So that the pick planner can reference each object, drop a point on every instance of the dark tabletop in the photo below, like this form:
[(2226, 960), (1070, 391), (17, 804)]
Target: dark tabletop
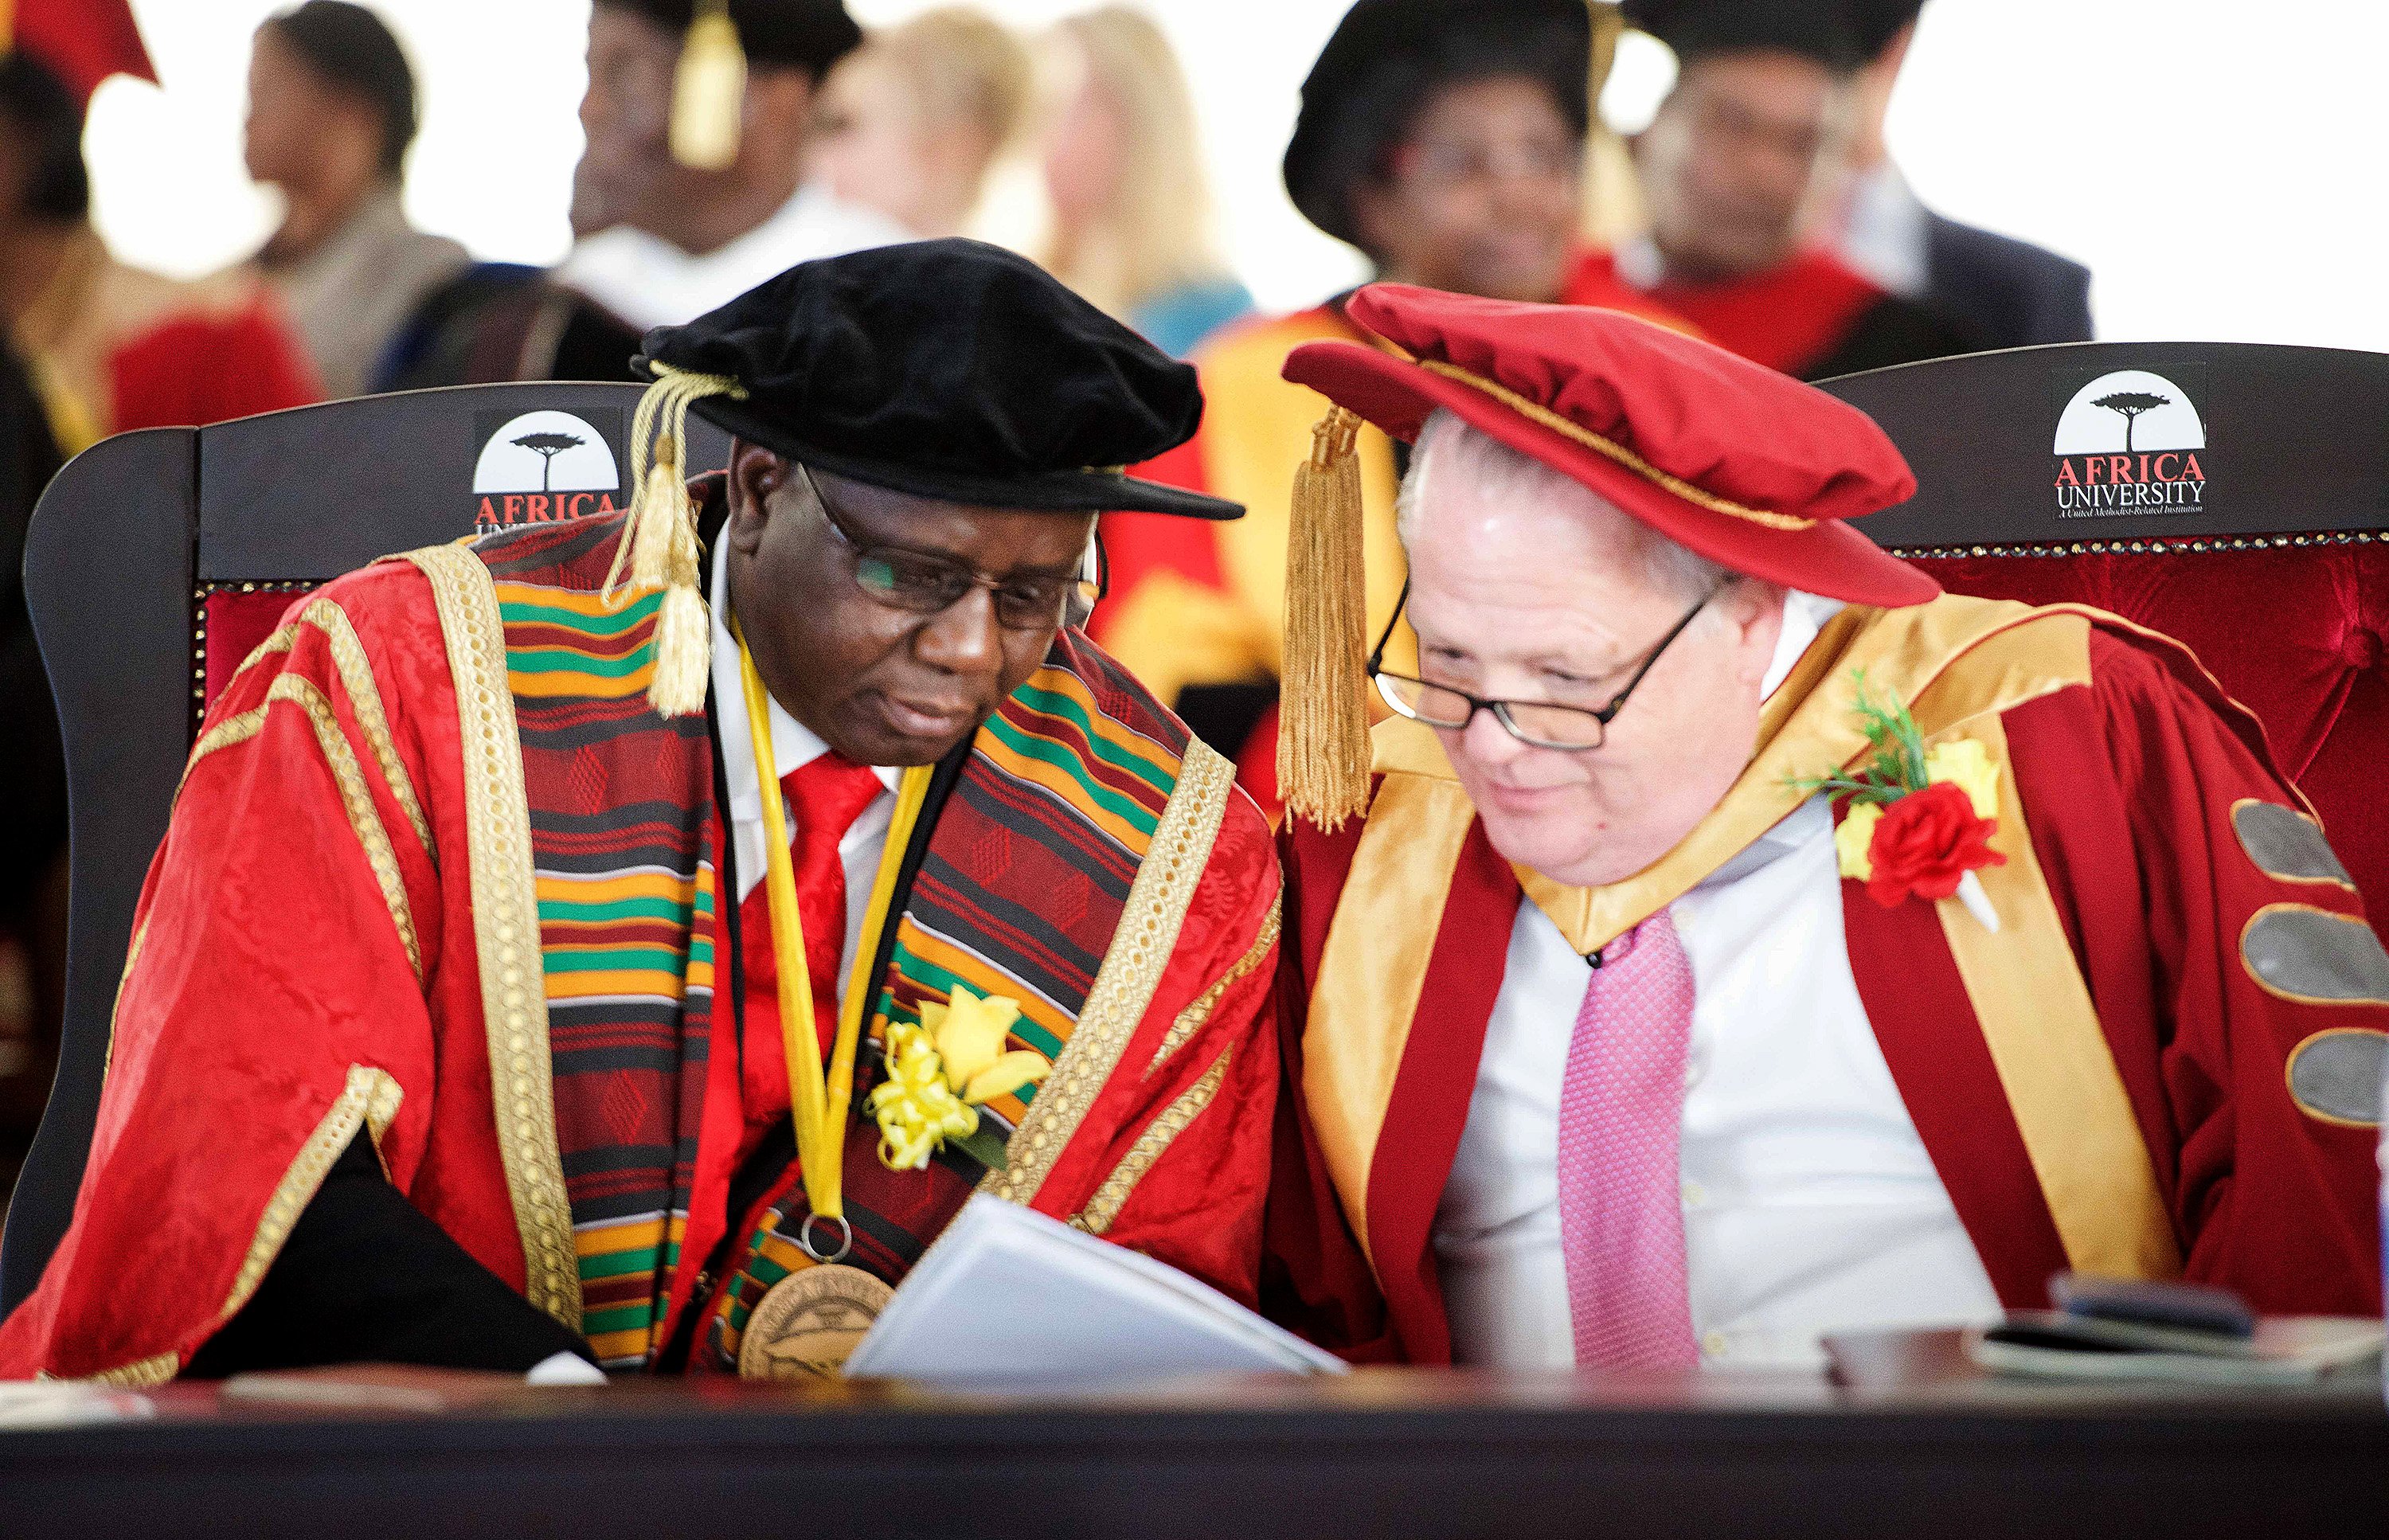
[(1406, 1453)]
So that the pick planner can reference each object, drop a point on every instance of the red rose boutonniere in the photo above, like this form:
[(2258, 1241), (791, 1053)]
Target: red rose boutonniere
[(1921, 820)]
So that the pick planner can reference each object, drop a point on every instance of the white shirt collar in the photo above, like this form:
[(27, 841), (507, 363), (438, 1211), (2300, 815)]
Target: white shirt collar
[(1804, 616), (649, 282), (1884, 231), (1638, 261)]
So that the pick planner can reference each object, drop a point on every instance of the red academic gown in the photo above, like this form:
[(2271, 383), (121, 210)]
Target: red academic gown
[(1812, 317), (2129, 772), (117, 348), (311, 963)]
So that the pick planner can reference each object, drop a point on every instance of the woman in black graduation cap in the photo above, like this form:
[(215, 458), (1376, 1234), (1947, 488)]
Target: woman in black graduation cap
[(572, 1041)]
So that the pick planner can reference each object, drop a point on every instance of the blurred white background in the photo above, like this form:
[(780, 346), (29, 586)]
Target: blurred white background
[(2218, 166)]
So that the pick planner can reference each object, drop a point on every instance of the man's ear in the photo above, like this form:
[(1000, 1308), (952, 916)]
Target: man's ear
[(756, 474), (1755, 609)]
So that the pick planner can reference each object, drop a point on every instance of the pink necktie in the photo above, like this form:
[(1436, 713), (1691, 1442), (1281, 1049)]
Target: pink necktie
[(1621, 1116)]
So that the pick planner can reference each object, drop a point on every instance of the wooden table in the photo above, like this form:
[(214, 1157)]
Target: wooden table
[(1391, 1453)]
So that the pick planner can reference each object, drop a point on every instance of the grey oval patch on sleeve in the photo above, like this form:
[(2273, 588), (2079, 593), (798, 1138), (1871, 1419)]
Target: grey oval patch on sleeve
[(2336, 1075), (2311, 954), (2285, 844)]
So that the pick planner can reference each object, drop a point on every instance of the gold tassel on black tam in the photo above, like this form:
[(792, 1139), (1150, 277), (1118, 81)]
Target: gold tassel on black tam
[(1323, 746), (659, 546)]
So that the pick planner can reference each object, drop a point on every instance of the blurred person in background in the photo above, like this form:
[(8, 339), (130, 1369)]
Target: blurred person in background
[(331, 113), (911, 121), (1123, 163), (1737, 167), (661, 240), (91, 346), (109, 346), (2003, 292), (1445, 141)]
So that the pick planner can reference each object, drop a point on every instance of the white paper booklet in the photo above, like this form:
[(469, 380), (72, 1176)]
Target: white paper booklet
[(1006, 1294)]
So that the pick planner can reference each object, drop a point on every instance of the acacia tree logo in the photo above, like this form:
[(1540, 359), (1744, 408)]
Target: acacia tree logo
[(547, 446), (2128, 404)]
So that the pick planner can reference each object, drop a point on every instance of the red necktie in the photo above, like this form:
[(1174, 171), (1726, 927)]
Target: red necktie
[(825, 795)]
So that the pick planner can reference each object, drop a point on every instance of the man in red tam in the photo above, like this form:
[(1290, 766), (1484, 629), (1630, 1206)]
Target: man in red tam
[(1733, 940)]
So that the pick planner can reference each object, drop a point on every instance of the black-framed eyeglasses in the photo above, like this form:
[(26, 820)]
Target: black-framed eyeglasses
[(921, 583), (1542, 725)]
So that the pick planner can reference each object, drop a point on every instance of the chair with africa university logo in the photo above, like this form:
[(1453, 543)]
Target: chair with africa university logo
[(2234, 496), (157, 560)]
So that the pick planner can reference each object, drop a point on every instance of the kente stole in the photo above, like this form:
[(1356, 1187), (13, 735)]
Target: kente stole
[(1021, 887), (1025, 875), (620, 802)]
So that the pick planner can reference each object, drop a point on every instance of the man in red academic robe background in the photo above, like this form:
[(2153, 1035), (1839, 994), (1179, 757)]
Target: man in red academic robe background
[(111, 347), (1742, 941), (1739, 170)]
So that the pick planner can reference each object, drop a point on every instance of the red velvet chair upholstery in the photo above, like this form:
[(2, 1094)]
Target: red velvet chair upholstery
[(2277, 574), (157, 560)]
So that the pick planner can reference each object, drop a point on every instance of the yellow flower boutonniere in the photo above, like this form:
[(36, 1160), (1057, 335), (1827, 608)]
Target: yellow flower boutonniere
[(942, 1071)]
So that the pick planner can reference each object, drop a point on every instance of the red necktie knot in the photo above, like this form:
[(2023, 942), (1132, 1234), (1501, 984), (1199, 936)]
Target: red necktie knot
[(827, 793)]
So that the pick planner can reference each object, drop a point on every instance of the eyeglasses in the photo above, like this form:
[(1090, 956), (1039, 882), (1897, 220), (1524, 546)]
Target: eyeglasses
[(919, 583), (1541, 724), (1448, 163)]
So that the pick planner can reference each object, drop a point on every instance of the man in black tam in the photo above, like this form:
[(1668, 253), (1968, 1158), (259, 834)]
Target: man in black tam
[(691, 190), (669, 972), (1740, 169)]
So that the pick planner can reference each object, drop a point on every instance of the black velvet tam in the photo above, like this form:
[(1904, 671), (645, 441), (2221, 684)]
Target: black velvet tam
[(948, 369), (1388, 58), (1826, 30), (1880, 20)]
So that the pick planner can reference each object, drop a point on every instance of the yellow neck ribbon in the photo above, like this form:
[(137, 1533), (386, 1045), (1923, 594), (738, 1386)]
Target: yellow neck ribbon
[(819, 1101)]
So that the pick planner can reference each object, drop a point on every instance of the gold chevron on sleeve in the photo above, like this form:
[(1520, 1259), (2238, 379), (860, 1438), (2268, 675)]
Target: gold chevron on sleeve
[(1113, 1195), (1192, 1020), (356, 673), (357, 801)]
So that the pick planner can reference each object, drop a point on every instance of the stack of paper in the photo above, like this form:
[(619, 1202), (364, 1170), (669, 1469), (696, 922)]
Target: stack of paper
[(1006, 1294)]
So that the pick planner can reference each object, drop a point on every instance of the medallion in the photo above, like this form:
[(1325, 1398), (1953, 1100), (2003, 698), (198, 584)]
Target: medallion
[(805, 1325)]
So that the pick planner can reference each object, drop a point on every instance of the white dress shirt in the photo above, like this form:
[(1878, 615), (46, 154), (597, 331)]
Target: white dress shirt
[(649, 282), (793, 744), (1883, 233), (1810, 1205)]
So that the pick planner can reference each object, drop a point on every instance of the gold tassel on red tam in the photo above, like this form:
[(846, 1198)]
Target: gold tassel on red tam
[(658, 545), (1322, 745)]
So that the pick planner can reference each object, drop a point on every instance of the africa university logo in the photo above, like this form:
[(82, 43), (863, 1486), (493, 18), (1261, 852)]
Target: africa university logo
[(2129, 442), (541, 467)]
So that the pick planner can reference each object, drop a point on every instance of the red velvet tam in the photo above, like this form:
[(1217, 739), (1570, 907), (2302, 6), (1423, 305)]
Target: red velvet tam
[(1747, 466)]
